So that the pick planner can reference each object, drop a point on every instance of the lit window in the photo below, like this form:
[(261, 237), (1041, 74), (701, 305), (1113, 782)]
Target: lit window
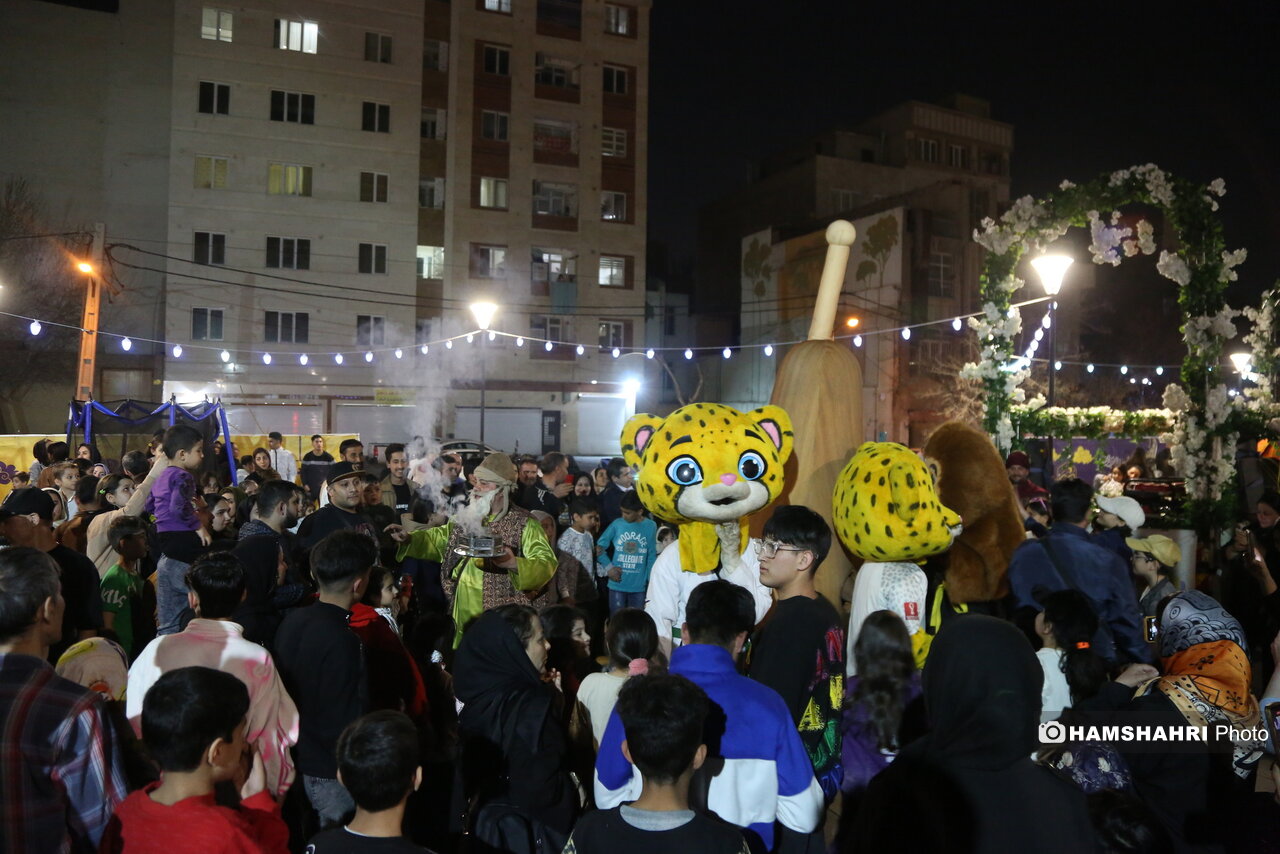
[(494, 125), (615, 80), (617, 20), (553, 137), (209, 248), (206, 324), (612, 334), (503, 6), (613, 142), (553, 265), (613, 206), (493, 192), (372, 258), (288, 179), (377, 47), (211, 172), (548, 326), (373, 186), (215, 98), (215, 24), (293, 107), (289, 253), (297, 35), (613, 271), (555, 199), (431, 193), (430, 262), (370, 330), (286, 327)]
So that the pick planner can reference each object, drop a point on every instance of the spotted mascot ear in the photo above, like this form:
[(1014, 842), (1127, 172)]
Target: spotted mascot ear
[(776, 424), (636, 434)]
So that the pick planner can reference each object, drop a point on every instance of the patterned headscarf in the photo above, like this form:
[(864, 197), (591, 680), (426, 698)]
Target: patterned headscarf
[(1206, 670), (98, 664)]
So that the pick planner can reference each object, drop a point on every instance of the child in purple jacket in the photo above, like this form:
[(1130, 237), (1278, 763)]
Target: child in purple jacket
[(179, 531)]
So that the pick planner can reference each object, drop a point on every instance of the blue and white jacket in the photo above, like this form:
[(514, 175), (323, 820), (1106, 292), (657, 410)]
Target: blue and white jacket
[(767, 775)]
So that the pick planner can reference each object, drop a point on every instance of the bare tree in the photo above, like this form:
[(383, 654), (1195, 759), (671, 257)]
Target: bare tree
[(40, 281), (675, 382)]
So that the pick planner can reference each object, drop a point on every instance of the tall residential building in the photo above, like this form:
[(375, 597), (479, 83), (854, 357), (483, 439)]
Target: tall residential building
[(287, 182), (916, 180)]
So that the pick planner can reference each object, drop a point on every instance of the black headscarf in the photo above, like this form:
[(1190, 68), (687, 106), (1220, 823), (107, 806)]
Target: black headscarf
[(502, 692), (260, 557)]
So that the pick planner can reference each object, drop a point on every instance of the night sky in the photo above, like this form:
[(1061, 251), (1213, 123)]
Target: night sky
[(1087, 88)]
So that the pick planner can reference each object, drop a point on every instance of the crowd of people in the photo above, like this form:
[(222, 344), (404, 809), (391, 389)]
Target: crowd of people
[(424, 651)]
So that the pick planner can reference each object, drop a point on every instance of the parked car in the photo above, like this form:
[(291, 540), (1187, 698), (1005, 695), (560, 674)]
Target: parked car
[(468, 449)]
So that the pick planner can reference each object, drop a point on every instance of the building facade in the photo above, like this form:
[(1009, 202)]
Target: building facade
[(306, 197)]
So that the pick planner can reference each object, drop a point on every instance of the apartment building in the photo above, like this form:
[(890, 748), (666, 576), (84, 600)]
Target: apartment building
[(305, 196), (915, 180)]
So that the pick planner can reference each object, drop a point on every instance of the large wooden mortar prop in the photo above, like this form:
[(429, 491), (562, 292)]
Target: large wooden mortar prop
[(819, 384)]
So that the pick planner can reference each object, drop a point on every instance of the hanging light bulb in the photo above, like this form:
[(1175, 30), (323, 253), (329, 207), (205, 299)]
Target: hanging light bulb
[(126, 344), (399, 353), (448, 345), (1146, 381), (857, 340), (648, 354), (1039, 336), (519, 342), (493, 336), (616, 352), (303, 359), (337, 358), (266, 358), (368, 356), (726, 352), (580, 350), (688, 354), (1089, 368), (1160, 370), (1035, 345), (1132, 380), (548, 346), (768, 349), (1047, 321), (1124, 369), (35, 327), (906, 333), (1057, 366), (470, 338), (177, 351), (956, 324), (425, 349)]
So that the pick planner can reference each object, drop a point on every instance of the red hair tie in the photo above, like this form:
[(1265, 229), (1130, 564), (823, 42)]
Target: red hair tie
[(1082, 645), (638, 667)]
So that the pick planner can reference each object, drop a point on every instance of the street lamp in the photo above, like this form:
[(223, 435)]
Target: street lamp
[(483, 313), (1051, 269)]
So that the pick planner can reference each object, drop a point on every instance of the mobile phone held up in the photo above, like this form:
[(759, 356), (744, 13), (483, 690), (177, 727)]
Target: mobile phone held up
[(1151, 629)]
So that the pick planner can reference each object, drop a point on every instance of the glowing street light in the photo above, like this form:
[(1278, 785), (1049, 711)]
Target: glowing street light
[(1051, 269), (483, 313)]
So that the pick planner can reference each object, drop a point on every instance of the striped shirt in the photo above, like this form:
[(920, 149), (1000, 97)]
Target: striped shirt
[(61, 773)]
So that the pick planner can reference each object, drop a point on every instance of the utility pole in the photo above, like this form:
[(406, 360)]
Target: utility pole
[(92, 270)]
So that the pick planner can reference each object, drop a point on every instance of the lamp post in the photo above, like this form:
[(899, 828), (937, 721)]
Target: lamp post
[(1051, 269), (483, 313)]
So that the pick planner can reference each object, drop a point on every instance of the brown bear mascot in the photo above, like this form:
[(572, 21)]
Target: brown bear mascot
[(972, 481)]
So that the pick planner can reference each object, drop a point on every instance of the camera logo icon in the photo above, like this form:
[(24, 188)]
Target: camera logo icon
[(1052, 732)]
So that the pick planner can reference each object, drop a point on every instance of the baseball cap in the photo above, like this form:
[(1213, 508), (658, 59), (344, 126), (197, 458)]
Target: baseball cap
[(30, 499), (342, 471), (1158, 546), (1129, 510)]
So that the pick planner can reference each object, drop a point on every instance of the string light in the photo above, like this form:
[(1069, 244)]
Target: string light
[(1089, 368), (225, 356), (548, 346), (34, 327), (337, 358), (126, 344), (303, 359), (425, 349), (857, 340), (648, 354), (1132, 380), (1047, 321), (580, 350), (399, 353), (1160, 370), (726, 352), (1124, 369), (266, 358), (688, 354), (470, 337), (906, 333), (768, 349), (616, 352), (492, 335), (448, 345), (519, 342), (177, 351), (956, 324), (1039, 336), (1057, 366), (368, 356)]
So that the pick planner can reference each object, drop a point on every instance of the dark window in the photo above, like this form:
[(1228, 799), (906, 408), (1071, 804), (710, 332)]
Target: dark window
[(210, 248), (206, 324), (286, 327), (373, 186), (293, 107), (215, 98), (376, 117), (497, 60), (373, 258), (377, 47), (290, 253), (615, 80)]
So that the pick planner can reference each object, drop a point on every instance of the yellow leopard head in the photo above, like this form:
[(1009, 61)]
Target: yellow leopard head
[(707, 462), (885, 507)]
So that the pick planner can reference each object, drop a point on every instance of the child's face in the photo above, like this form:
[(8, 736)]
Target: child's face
[(68, 479), (580, 637), (631, 515), (388, 592), (190, 458), (134, 547), (586, 521)]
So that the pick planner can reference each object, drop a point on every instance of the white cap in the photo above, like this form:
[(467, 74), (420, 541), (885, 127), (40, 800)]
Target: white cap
[(1129, 510)]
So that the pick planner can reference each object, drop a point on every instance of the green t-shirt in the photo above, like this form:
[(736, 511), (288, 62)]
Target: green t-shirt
[(121, 592)]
